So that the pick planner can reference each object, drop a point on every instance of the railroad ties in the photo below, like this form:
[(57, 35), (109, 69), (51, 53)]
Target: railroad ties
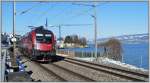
[(73, 70), (118, 72)]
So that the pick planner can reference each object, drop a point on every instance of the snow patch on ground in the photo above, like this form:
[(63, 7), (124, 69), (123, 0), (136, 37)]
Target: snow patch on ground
[(110, 61), (86, 59), (106, 60)]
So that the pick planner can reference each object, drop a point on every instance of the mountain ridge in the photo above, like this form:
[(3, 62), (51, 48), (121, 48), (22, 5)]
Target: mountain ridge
[(131, 38)]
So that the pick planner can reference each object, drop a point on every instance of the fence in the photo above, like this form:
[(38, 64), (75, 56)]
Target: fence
[(90, 56), (81, 54)]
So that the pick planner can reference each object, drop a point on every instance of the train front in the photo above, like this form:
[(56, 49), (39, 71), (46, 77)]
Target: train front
[(44, 45)]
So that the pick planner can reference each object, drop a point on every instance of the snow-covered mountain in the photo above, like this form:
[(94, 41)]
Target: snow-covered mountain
[(135, 38)]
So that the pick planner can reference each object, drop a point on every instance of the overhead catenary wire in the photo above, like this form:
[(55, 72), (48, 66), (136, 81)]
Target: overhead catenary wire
[(76, 15), (69, 25), (29, 9), (60, 25), (95, 3), (95, 24), (86, 11), (62, 12), (45, 12), (49, 10), (42, 14), (80, 14), (72, 17)]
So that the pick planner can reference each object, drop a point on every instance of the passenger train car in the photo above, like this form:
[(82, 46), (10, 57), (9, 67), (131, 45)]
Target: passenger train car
[(39, 44)]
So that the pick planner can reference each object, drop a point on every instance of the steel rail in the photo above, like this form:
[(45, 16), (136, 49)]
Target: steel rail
[(118, 69), (114, 71), (51, 72), (46, 69), (74, 73)]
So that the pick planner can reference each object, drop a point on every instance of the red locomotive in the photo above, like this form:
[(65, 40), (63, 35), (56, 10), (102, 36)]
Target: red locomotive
[(39, 44)]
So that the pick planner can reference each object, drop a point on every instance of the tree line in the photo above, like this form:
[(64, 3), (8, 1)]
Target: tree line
[(74, 39)]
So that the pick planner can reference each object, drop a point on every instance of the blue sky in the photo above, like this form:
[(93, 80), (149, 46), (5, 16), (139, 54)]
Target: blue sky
[(113, 18)]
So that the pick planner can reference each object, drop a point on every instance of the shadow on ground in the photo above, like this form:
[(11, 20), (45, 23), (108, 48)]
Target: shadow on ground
[(53, 59)]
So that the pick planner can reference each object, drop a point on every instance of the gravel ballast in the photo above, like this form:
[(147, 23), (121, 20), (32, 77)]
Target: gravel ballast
[(41, 74)]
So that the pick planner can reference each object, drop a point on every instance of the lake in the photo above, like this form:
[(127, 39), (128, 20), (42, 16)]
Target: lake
[(134, 54)]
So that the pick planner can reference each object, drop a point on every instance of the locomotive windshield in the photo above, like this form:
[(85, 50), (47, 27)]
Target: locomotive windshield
[(44, 38)]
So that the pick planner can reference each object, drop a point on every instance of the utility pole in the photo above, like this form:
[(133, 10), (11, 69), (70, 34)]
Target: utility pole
[(1, 17), (14, 14), (1, 43), (95, 29), (95, 24), (46, 23), (1, 26), (60, 26), (59, 32)]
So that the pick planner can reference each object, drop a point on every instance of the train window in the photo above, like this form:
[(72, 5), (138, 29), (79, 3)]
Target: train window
[(48, 38), (39, 37), (44, 38)]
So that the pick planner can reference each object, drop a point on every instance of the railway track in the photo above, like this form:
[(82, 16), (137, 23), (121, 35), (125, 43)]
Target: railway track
[(135, 76), (60, 73), (41, 72), (64, 74), (51, 72)]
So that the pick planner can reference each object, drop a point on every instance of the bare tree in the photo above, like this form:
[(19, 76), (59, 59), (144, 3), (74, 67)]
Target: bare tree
[(113, 48)]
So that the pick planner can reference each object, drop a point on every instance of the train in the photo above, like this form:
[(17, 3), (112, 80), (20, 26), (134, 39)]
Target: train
[(39, 44)]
